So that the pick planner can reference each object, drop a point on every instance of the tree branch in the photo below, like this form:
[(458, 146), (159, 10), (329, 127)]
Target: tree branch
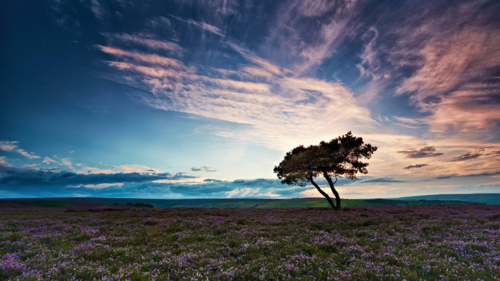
[(323, 193), (332, 187)]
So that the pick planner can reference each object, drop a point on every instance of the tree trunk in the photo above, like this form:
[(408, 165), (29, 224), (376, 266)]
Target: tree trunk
[(324, 194), (332, 186)]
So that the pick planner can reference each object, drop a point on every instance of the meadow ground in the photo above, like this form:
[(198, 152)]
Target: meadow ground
[(356, 243)]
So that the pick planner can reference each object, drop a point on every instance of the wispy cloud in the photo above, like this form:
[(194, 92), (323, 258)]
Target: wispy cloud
[(415, 166), (204, 169), (310, 70), (489, 183), (48, 160), (305, 48), (27, 154), (12, 177), (201, 25), (65, 161), (8, 145), (12, 146), (279, 110), (97, 8), (408, 120), (456, 54), (135, 169), (144, 40), (151, 59), (370, 62), (468, 175), (465, 157), (2, 161), (428, 151)]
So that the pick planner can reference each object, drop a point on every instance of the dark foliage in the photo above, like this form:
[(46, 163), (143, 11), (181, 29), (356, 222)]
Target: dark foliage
[(140, 205), (337, 158)]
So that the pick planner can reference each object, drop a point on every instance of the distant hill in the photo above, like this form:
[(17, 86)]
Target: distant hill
[(484, 198), (223, 203)]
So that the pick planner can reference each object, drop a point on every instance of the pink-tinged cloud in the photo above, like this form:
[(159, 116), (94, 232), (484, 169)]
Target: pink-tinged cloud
[(26, 154), (279, 109), (144, 58), (8, 145), (135, 169), (12, 146), (201, 25), (66, 162), (144, 40), (48, 160), (2, 161), (456, 54), (428, 151)]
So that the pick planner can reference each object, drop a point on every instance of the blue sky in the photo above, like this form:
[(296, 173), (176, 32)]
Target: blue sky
[(184, 99)]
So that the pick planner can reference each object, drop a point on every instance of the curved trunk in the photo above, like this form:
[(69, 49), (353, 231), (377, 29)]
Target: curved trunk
[(332, 186), (323, 193)]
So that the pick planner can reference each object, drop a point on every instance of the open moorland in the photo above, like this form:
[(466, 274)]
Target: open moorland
[(90, 242), (241, 202)]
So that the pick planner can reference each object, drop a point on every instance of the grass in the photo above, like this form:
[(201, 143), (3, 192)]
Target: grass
[(449, 242)]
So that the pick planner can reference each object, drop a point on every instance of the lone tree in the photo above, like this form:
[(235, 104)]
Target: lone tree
[(337, 158)]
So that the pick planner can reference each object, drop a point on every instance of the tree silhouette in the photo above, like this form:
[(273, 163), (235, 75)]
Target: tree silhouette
[(337, 158)]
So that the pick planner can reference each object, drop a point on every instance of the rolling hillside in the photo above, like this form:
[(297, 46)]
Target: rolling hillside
[(226, 203), (483, 198)]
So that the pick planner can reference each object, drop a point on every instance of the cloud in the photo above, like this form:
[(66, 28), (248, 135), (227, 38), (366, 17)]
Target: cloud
[(307, 33), (489, 183), (456, 57), (201, 25), (415, 166), (290, 78), (151, 59), (27, 155), (443, 186), (408, 120), (48, 160), (97, 9), (99, 185), (278, 111), (13, 177), (465, 157), (8, 145), (12, 146), (428, 151), (484, 174), (369, 57), (243, 192), (203, 168), (93, 170), (269, 194), (145, 40), (22, 182), (134, 169), (66, 162), (3, 162)]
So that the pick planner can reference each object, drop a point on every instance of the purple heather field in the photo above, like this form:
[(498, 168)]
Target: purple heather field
[(357, 243)]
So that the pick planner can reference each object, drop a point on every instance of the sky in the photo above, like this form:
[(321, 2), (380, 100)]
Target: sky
[(201, 99)]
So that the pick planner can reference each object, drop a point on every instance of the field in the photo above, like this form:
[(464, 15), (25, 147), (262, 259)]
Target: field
[(484, 198), (236, 203), (92, 242)]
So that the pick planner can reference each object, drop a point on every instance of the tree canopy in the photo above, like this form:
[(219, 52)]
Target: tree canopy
[(337, 158)]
